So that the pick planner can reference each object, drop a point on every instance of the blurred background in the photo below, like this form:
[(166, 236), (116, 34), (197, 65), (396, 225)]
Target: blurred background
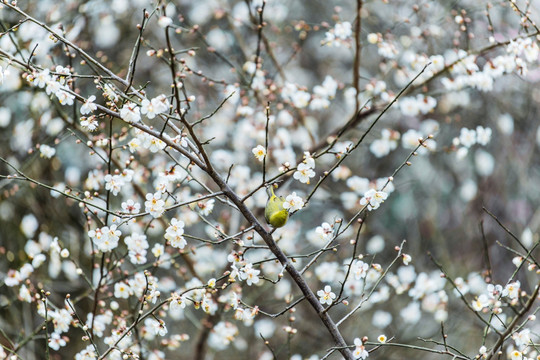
[(305, 74)]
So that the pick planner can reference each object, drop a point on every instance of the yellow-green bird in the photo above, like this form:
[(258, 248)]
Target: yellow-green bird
[(274, 213)]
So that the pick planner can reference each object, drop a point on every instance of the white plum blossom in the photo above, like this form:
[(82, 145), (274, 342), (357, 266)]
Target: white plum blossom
[(338, 35), (485, 162), (293, 202), (406, 258), (360, 269), (113, 183), (180, 140), (467, 137), (512, 290), (387, 49), (358, 184), (426, 103), (303, 173), (494, 291), (25, 294), (327, 271), (88, 106), (90, 123), (206, 207), (155, 326), (47, 151), (411, 314), (375, 245), (156, 106), (360, 351), (53, 86), (410, 139), (56, 341), (483, 135), (62, 320), (164, 21), (224, 333), (174, 234), (522, 338), (131, 207), (13, 278), (259, 152), (158, 250), (122, 290), (322, 94), (88, 353), (130, 112), (249, 274), (105, 238), (325, 231), (381, 319), (137, 246), (64, 96), (41, 78), (517, 355), (505, 123), (343, 30), (373, 199), (154, 204), (299, 98), (153, 143), (178, 303), (109, 92), (327, 89), (372, 38), (326, 296), (480, 302), (134, 144), (388, 142)]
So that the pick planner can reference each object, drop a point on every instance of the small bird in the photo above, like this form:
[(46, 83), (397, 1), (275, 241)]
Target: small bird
[(274, 213)]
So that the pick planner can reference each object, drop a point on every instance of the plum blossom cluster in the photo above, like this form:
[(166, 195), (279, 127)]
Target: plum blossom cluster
[(258, 76), (323, 234), (360, 187), (131, 112), (389, 141), (414, 106), (304, 171), (242, 269), (323, 94), (54, 83), (491, 299), (321, 99), (412, 138), (377, 89), (47, 151), (466, 73), (415, 62), (340, 34), (470, 137), (44, 250), (174, 234), (137, 248), (105, 238), (296, 96), (143, 140), (114, 183), (373, 199), (360, 351)]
